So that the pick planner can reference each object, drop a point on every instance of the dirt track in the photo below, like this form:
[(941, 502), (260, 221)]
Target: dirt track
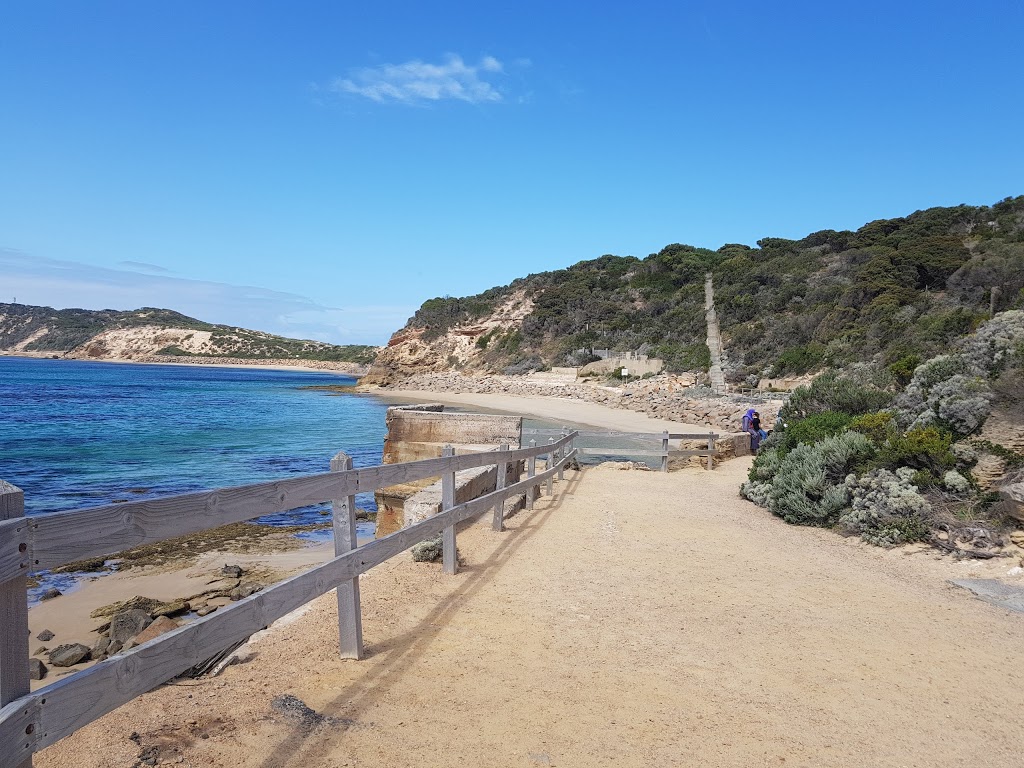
[(643, 620)]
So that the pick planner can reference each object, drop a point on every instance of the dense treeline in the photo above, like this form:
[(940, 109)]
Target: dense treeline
[(896, 289)]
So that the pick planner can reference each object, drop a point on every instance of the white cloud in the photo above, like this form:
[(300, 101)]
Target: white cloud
[(142, 266), (65, 284), (417, 81)]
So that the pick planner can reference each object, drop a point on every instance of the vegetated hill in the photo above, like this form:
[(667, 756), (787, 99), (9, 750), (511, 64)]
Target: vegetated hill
[(113, 334), (897, 291)]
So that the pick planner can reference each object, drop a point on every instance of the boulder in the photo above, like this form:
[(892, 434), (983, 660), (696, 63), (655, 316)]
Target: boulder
[(50, 593), (1012, 500), (69, 654), (173, 608), (127, 624), (36, 669), (101, 648), (234, 571), (243, 591), (46, 636), (159, 627)]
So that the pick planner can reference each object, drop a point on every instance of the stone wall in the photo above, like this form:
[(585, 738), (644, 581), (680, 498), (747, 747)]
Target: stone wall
[(418, 432)]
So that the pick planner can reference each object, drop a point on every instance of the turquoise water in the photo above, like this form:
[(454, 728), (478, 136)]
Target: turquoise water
[(75, 434)]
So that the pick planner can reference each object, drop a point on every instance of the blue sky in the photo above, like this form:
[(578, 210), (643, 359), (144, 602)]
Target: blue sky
[(319, 169)]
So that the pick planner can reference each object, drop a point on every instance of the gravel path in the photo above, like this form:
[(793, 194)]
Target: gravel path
[(643, 619)]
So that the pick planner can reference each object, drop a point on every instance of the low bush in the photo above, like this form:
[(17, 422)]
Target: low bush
[(808, 487), (814, 428), (834, 392), (878, 427), (921, 448), (885, 508)]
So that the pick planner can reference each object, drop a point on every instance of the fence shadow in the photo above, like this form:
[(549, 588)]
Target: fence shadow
[(405, 650)]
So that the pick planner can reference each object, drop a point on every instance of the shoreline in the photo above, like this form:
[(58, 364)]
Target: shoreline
[(337, 368), (68, 616)]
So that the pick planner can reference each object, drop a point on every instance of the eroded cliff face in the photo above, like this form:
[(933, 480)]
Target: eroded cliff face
[(412, 350)]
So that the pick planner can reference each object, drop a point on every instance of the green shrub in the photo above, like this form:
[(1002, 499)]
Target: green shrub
[(921, 448), (799, 360), (814, 428), (903, 369), (832, 392), (879, 426)]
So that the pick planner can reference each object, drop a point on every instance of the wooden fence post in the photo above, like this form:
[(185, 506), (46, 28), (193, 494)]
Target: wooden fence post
[(451, 559), (550, 463), (664, 451), (561, 455), (498, 524), (350, 617), (531, 470), (711, 447), (14, 680)]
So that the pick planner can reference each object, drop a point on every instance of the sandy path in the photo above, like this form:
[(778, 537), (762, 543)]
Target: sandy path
[(643, 620), (556, 409)]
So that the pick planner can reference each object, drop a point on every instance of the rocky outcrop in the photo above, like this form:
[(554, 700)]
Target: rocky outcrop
[(413, 350)]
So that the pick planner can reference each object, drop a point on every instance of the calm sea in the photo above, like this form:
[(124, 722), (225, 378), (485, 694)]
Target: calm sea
[(75, 434)]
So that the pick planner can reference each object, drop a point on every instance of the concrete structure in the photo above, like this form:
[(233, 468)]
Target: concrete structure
[(418, 432), (714, 339), (637, 365)]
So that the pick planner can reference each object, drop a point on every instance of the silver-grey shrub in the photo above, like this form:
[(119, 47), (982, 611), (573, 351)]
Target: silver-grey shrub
[(885, 508), (948, 388), (807, 488)]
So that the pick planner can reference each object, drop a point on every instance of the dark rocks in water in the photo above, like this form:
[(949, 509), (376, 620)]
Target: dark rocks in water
[(298, 712), (50, 593), (234, 571), (69, 654), (127, 624), (46, 636), (36, 669)]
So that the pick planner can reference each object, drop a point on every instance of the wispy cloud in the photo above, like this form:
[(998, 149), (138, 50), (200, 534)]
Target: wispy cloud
[(142, 266), (417, 82), (64, 284)]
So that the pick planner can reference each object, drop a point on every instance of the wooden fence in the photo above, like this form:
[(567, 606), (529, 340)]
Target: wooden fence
[(31, 721), (658, 443)]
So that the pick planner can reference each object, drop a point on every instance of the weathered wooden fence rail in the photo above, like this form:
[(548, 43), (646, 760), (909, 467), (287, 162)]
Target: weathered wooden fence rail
[(659, 439), (31, 721)]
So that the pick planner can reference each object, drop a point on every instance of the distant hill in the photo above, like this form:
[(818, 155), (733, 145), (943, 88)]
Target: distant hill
[(895, 291), (150, 332)]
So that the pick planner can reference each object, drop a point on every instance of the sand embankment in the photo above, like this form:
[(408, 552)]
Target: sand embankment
[(644, 619)]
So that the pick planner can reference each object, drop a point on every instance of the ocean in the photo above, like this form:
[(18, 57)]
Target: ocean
[(76, 434)]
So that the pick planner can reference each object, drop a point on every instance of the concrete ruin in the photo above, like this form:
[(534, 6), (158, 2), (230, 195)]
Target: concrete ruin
[(417, 432)]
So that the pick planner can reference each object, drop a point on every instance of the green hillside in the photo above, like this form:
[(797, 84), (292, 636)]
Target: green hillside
[(899, 290), (62, 330)]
